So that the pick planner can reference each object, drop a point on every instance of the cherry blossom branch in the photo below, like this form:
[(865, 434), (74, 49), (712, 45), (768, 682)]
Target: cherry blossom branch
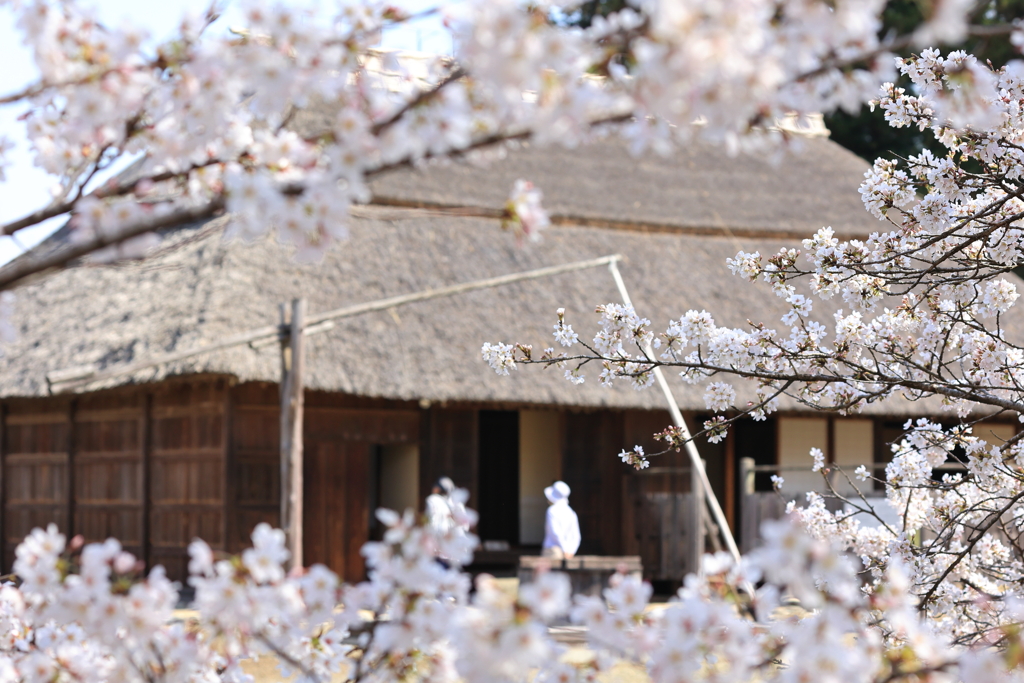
[(420, 98), (959, 557), (28, 265), (895, 44), (110, 190)]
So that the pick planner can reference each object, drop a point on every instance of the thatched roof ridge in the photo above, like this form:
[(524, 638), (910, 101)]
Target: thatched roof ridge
[(698, 189)]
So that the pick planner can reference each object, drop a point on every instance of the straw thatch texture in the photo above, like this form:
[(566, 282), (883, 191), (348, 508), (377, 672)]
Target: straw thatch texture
[(205, 288), (698, 189), (198, 288)]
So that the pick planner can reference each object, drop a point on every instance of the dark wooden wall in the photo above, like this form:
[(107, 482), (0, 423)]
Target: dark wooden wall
[(449, 447), (594, 474), (159, 465), (36, 474), (188, 479), (255, 452), (338, 436), (147, 467), (110, 467)]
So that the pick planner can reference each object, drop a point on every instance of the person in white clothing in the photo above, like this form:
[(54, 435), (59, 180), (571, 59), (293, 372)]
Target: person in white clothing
[(439, 512), (561, 526)]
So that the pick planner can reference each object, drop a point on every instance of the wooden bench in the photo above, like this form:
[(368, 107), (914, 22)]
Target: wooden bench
[(588, 574)]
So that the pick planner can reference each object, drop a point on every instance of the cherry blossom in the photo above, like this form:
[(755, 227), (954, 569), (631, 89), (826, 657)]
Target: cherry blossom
[(924, 305), (217, 120), (284, 120)]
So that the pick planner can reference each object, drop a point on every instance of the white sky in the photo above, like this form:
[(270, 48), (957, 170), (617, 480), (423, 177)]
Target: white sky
[(28, 188)]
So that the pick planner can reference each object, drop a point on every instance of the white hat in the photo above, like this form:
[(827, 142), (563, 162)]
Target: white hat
[(557, 491)]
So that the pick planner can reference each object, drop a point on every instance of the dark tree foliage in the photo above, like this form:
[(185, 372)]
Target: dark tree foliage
[(585, 13), (865, 132)]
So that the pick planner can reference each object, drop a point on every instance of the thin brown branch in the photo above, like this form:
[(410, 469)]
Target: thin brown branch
[(979, 534), (420, 98), (105, 192), (26, 266), (895, 44)]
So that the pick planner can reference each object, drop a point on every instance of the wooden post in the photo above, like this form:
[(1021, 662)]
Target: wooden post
[(285, 425), (731, 478), (293, 360), (747, 474)]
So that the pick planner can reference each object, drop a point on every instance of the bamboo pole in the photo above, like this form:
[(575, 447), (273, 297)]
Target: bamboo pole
[(74, 378), (691, 448)]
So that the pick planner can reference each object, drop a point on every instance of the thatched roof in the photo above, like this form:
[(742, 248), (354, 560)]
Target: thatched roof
[(698, 189), (199, 288)]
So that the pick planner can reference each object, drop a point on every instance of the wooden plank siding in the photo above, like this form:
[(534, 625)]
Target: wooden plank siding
[(108, 469), (254, 461), (156, 466), (187, 479), (36, 481), (338, 437)]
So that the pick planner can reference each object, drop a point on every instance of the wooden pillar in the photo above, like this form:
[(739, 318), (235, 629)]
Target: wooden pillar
[(292, 362), (284, 431), (731, 479), (830, 446), (697, 490), (747, 522)]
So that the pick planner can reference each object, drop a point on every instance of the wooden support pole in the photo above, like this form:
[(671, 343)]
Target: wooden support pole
[(146, 429), (4, 566), (69, 530), (284, 426), (731, 478), (691, 448), (297, 404), (292, 404)]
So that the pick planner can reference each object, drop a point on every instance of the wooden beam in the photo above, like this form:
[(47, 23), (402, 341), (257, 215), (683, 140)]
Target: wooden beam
[(297, 404), (3, 489), (291, 433), (228, 490), (830, 440)]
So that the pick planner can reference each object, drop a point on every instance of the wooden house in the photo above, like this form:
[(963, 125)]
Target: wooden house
[(397, 398)]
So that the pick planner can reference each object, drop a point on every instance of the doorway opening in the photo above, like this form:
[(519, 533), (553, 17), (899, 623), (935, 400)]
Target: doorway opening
[(498, 490)]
